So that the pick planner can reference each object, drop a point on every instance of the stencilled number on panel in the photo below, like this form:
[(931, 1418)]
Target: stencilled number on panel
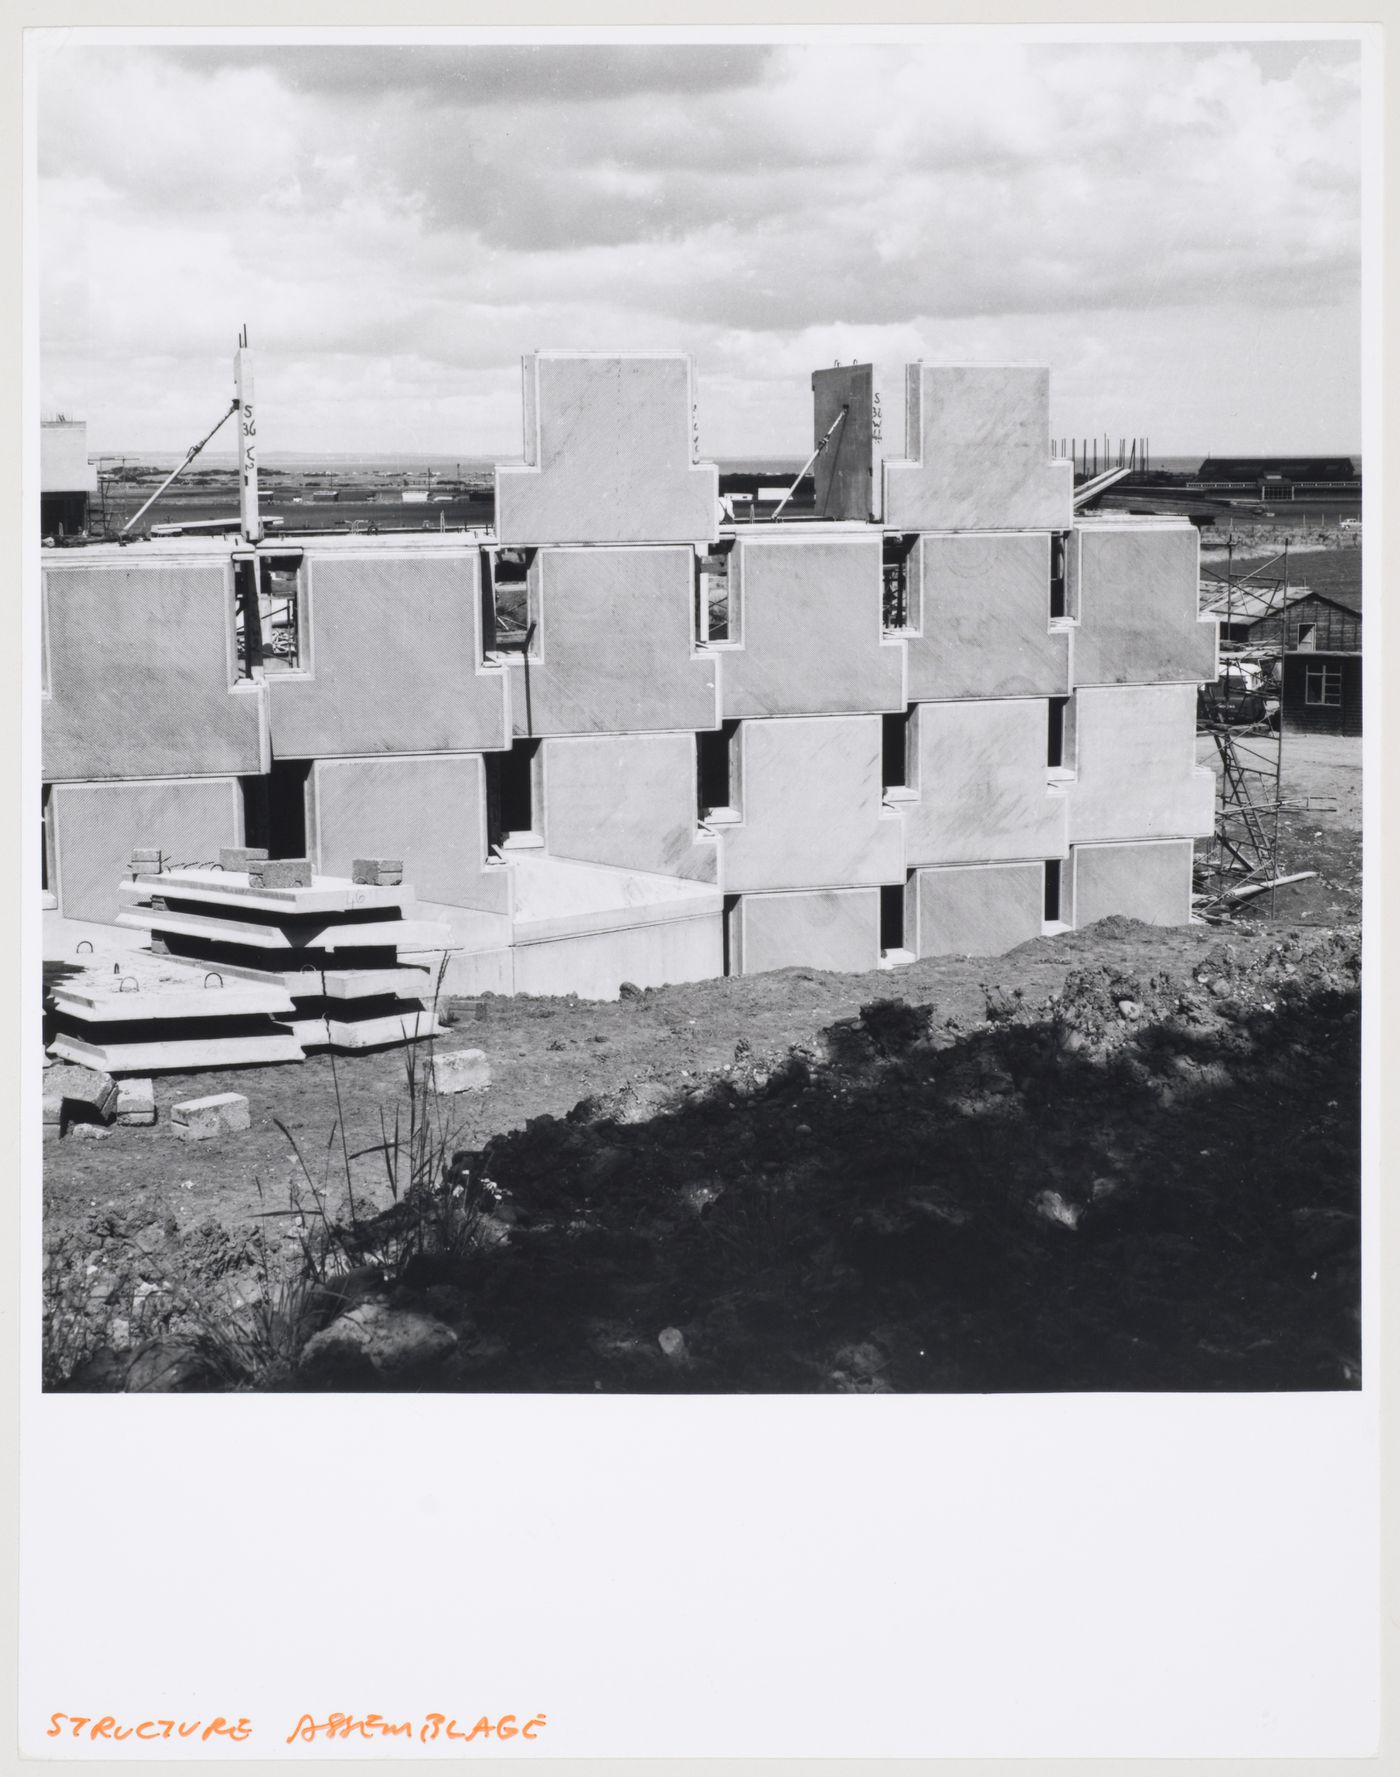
[(249, 424), (876, 418)]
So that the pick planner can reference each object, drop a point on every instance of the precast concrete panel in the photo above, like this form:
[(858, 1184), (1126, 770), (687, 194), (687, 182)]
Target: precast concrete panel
[(827, 929), (393, 661), (809, 630), (984, 627), (1136, 773), (981, 794), (809, 794), (1135, 595), (628, 800), (141, 675), (614, 649), (1150, 882), (595, 964), (979, 442), (609, 454), (976, 910), (430, 812), (97, 826)]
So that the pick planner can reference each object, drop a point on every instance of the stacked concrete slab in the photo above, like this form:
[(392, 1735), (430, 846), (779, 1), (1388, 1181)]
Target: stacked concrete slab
[(710, 745)]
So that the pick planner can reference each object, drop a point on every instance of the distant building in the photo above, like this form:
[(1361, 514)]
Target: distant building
[(1318, 636), (1277, 469), (66, 479)]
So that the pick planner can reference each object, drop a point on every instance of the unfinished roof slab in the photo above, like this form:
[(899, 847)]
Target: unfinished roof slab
[(609, 453)]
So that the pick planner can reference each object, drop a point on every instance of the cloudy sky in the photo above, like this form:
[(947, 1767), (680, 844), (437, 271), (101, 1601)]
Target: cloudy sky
[(1173, 228)]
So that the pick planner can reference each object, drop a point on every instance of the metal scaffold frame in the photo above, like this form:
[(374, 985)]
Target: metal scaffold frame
[(1243, 859)]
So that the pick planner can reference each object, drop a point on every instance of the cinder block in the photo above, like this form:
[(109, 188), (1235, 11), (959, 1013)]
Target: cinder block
[(239, 857), (85, 1086), (377, 872), (461, 1070), (53, 1108), (280, 873), (201, 1119), (136, 1101)]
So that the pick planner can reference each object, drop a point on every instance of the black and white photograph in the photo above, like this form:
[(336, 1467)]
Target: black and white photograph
[(701, 716)]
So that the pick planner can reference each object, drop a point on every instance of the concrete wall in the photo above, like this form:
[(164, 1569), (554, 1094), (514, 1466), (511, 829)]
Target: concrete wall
[(1148, 882), (596, 964), (978, 911), (981, 787), (63, 464), (628, 800), (809, 793), (1134, 592), (393, 660), (983, 452), (430, 811), (983, 604), (831, 929), (608, 454), (614, 651), (96, 826), (1136, 772), (809, 630), (140, 671)]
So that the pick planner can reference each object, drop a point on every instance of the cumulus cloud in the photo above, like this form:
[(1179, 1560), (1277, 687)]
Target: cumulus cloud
[(397, 224)]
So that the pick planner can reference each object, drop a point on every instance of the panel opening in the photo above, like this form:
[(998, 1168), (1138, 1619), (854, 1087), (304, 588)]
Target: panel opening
[(713, 610), (896, 734), (517, 812), (281, 639), (1059, 574), (286, 808), (897, 610), (509, 617), (1053, 877), (729, 922), (892, 917), (247, 620), (46, 841), (1055, 733), (716, 785)]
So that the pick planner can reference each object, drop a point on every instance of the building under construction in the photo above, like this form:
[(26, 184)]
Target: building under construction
[(627, 735)]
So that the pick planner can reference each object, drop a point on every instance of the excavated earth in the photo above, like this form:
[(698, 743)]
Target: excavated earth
[(1122, 1158)]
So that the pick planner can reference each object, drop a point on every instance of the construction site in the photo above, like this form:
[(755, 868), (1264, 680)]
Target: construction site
[(847, 924)]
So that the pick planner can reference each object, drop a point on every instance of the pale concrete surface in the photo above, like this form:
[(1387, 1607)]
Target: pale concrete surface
[(141, 675), (393, 661), (980, 777), (628, 800), (551, 897), (1136, 772), (594, 965), (96, 825), (1134, 592), (849, 473), (608, 454), (810, 797), (809, 630), (63, 464), (983, 439), (828, 929), (429, 811), (974, 911), (984, 607), (614, 651), (1147, 882)]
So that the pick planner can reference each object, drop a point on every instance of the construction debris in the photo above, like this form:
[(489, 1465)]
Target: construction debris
[(201, 1119)]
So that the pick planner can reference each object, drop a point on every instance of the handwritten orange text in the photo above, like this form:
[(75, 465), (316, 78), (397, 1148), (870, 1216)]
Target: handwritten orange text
[(430, 1728), (107, 1727)]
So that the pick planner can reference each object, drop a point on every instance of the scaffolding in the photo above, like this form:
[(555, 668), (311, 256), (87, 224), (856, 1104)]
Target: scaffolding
[(1242, 860)]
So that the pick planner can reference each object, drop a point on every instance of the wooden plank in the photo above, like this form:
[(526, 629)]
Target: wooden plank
[(176, 1056)]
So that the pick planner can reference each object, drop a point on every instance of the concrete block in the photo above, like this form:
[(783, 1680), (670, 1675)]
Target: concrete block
[(609, 454), (651, 827), (53, 1107), (83, 1087), (395, 647), (96, 827), (828, 929), (136, 1101), (240, 857), (809, 632), (1136, 771), (1134, 588), (975, 911), (979, 444), (147, 860), (141, 676), (982, 795), (377, 872), (202, 1119), (279, 873), (90, 1131), (1150, 882), (982, 602), (460, 1070)]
